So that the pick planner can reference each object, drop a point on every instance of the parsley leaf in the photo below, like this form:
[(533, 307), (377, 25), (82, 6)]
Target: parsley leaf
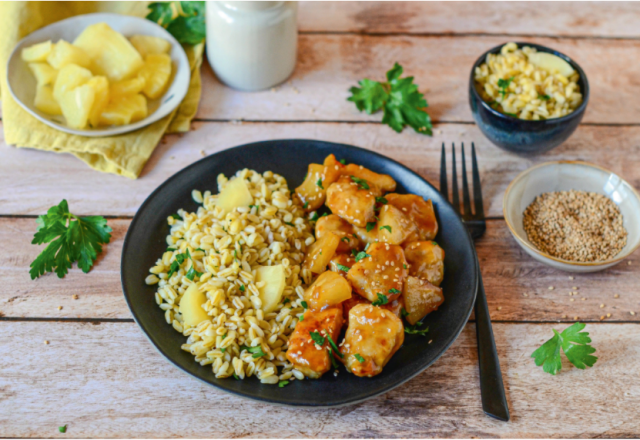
[(358, 357), (503, 84), (382, 200), (415, 329), (304, 305), (192, 273), (387, 227), (370, 226), (286, 300), (574, 343), (187, 26), (306, 204), (314, 217), (342, 268), (361, 182), (394, 291), (342, 161), (256, 352), (62, 429), (361, 256), (334, 347), (176, 216), (71, 238), (283, 383), (399, 98), (404, 266), (319, 183), (544, 97), (382, 300), (242, 288), (403, 313), (345, 239), (317, 338)]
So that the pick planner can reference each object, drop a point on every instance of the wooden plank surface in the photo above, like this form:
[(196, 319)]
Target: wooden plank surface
[(328, 65), (107, 380), (568, 19), (517, 286), (35, 180)]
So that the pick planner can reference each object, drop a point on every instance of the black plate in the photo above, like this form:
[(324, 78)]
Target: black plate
[(145, 243)]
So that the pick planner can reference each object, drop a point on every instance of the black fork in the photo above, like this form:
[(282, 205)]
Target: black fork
[(494, 401)]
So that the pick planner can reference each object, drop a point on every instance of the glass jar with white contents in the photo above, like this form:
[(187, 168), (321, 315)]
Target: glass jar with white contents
[(251, 45)]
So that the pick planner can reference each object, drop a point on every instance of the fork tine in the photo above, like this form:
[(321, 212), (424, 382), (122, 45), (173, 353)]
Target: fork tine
[(477, 191), (454, 181), (444, 188), (465, 187)]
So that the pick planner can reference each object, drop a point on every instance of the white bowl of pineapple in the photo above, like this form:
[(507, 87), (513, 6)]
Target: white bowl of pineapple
[(99, 74)]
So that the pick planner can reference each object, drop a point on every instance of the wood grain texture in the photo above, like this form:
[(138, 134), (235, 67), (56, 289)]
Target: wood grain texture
[(107, 380), (328, 65), (598, 19), (35, 180), (508, 275)]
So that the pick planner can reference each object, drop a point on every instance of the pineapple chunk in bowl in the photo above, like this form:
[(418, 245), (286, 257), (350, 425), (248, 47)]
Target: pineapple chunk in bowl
[(112, 100)]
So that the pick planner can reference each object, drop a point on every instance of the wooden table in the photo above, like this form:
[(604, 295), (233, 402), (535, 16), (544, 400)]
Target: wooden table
[(100, 375)]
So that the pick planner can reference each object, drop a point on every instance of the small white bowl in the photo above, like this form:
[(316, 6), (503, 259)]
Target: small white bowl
[(22, 83), (565, 176)]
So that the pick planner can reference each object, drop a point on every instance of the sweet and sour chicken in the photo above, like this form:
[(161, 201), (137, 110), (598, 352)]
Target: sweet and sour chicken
[(373, 264)]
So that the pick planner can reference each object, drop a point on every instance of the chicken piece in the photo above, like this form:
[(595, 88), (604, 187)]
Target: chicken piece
[(382, 181), (395, 306), (321, 252), (349, 304), (381, 272), (351, 202), (426, 260), (420, 298), (394, 227), (373, 336), (329, 289), (302, 352), (343, 229), (339, 262), (419, 211)]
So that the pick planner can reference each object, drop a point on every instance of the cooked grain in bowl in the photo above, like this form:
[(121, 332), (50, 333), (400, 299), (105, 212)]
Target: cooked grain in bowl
[(527, 84), (222, 253)]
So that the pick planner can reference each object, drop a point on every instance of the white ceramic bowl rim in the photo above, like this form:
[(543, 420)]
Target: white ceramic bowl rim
[(617, 258)]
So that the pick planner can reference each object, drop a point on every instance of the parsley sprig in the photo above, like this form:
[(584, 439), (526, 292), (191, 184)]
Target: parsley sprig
[(399, 99), (575, 344), (256, 352), (71, 238), (503, 84), (361, 182), (382, 300), (332, 347), (183, 20)]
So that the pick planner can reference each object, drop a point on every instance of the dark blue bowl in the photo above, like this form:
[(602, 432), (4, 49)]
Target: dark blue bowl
[(518, 135)]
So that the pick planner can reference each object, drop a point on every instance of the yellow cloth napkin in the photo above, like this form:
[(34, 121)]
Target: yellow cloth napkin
[(124, 154)]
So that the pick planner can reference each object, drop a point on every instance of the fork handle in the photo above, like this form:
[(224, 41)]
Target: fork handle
[(494, 400)]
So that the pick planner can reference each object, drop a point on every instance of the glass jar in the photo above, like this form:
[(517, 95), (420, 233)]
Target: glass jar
[(252, 45)]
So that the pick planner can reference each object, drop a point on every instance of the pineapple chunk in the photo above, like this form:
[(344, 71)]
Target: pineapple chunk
[(309, 192), (191, 306), (76, 105), (131, 86), (112, 54), (156, 72), (233, 195), (64, 54), (100, 86), (70, 77), (330, 289), (44, 73), (45, 101), (274, 278), (148, 45), (321, 252), (394, 227), (37, 53), (124, 110), (420, 298)]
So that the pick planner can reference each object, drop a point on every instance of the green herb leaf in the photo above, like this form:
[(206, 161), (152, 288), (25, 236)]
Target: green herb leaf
[(71, 238), (306, 204), (317, 338), (387, 227), (370, 226), (192, 273), (242, 288), (283, 383), (314, 217), (256, 352), (304, 305), (187, 26), (404, 266), (289, 223), (224, 336), (286, 300), (334, 347), (342, 268), (342, 161), (319, 183), (62, 429), (503, 84), (200, 249), (223, 349), (394, 291), (382, 300), (544, 97), (345, 239), (415, 329), (403, 313), (361, 255), (235, 376), (176, 216), (574, 343), (358, 357), (171, 249), (367, 247), (382, 200), (434, 243), (513, 115), (361, 182)]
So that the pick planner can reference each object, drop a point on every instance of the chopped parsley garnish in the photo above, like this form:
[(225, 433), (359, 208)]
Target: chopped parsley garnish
[(71, 238), (256, 352), (283, 383), (511, 114), (319, 183), (171, 249), (286, 300), (304, 305), (314, 217), (342, 268), (358, 357), (354, 252), (367, 246), (235, 376), (289, 223), (301, 318), (399, 99), (223, 349), (382, 300), (242, 288), (403, 313), (255, 206), (200, 250), (544, 97), (317, 338), (62, 429), (192, 273), (306, 205), (394, 291), (387, 227), (415, 329), (176, 216), (224, 336), (181, 258), (342, 161), (361, 182), (574, 343), (345, 239), (434, 243), (404, 266), (334, 347), (361, 255), (503, 84), (382, 200), (370, 226)]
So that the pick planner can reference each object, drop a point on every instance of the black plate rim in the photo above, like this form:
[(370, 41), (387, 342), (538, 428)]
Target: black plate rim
[(248, 396)]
